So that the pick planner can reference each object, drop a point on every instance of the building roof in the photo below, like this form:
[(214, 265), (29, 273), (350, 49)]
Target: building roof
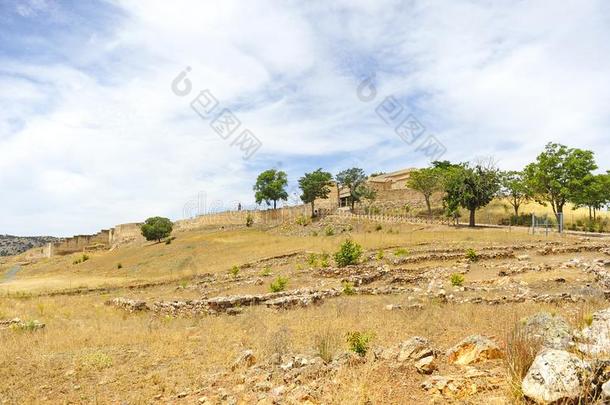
[(392, 176)]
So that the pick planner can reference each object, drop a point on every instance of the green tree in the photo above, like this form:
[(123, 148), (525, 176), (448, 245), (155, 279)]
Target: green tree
[(271, 186), (514, 188), (368, 194), (427, 181), (352, 179), (156, 228), (593, 192), (315, 185), (555, 177), (470, 187)]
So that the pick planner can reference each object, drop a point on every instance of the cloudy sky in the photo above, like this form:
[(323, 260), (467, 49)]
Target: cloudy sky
[(96, 129)]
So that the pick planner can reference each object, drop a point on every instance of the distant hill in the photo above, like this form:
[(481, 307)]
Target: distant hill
[(13, 245)]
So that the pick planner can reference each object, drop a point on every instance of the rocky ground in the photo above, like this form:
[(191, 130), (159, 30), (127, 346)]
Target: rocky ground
[(525, 320), (564, 363)]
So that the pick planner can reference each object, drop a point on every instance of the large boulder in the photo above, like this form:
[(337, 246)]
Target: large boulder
[(555, 375), (551, 331), (473, 349), (595, 338)]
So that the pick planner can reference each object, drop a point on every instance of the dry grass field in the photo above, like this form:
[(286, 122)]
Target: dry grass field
[(90, 352)]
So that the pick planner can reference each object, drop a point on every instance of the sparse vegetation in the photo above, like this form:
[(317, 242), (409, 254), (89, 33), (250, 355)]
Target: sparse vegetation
[(329, 230), (119, 266), (96, 360), (348, 288), (521, 349), (401, 252), (358, 342), (457, 279), (380, 254), (349, 253), (234, 271), (81, 259), (472, 255), (303, 220), (324, 260), (266, 272), (326, 344), (249, 220), (279, 284)]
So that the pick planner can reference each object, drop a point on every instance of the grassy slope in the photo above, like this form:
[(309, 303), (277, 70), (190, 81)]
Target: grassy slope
[(207, 251)]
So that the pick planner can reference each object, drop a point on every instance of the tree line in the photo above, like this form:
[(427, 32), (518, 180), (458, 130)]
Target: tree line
[(559, 175)]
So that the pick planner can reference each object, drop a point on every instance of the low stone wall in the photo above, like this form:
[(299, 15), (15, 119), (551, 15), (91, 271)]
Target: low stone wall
[(239, 217)]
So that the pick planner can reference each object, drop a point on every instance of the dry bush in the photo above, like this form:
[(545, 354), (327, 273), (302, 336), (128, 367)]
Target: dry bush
[(278, 342), (326, 343), (521, 351)]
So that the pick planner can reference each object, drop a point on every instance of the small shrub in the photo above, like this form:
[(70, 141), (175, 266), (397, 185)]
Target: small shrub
[(77, 261), (348, 288), (234, 271), (96, 360), (168, 241), (119, 266), (472, 255), (249, 220), (350, 228), (183, 284), (358, 342), (324, 260), (380, 254), (314, 233), (378, 227), (587, 319), (41, 308), (349, 253), (299, 266), (312, 259), (457, 279), (278, 342), (266, 271), (28, 326), (85, 258), (303, 220), (401, 252), (279, 284), (329, 230)]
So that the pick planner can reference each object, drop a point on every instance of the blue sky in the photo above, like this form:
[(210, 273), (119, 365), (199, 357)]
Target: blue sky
[(91, 134)]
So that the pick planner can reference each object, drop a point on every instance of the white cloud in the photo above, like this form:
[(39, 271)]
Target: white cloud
[(95, 136)]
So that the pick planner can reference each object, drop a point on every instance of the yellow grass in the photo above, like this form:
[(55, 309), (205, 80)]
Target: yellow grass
[(92, 353)]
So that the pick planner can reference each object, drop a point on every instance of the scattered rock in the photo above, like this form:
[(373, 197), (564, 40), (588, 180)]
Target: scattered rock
[(18, 324), (426, 365), (473, 349), (596, 337), (415, 348), (246, 359), (555, 375), (551, 331)]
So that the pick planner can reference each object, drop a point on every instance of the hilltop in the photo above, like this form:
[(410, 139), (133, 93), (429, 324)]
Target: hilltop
[(13, 245)]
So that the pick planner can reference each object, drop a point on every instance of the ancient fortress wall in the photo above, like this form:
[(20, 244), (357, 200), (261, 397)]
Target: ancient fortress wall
[(240, 217)]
